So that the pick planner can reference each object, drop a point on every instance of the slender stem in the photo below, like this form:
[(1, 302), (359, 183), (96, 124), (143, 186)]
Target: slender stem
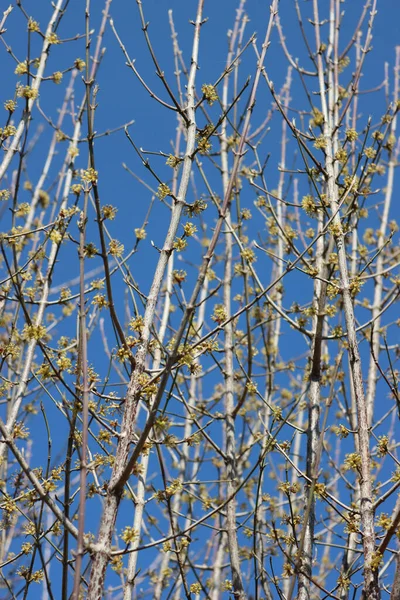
[(123, 466)]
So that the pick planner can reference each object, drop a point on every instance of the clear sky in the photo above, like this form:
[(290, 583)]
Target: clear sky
[(121, 99)]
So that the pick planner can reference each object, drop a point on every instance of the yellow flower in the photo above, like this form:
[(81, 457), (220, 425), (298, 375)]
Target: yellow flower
[(204, 145), (117, 564), (27, 92), (55, 236), (64, 363), (196, 208), (248, 255), (123, 354), (179, 276), (116, 248), (72, 150), (109, 212), (60, 136), (320, 143), (163, 191), (26, 548), (140, 233), (195, 588), (10, 105), (341, 155), (370, 152), (90, 250), (376, 560), (100, 300), (129, 534), (382, 445), (384, 521), (76, 189), (251, 387), (105, 436), (33, 25), (246, 214), (22, 209), (137, 324), (90, 175), (180, 244), (45, 371), (97, 284), (44, 198), (57, 77), (309, 206), (20, 431), (8, 131), (37, 576), (173, 161), (79, 64), (210, 93), (227, 585), (53, 38), (219, 314), (33, 332), (21, 68), (351, 135), (189, 229), (352, 461), (318, 118)]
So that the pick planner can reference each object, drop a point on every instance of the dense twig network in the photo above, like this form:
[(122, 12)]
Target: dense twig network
[(206, 404)]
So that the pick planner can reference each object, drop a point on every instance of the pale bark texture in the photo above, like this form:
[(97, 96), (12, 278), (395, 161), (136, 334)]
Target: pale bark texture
[(199, 286)]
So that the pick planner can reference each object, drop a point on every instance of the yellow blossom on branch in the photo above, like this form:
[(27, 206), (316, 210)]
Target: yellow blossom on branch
[(140, 233), (116, 249), (27, 92), (33, 26), (53, 38), (10, 105), (129, 534), (57, 77), (209, 93), (90, 175), (79, 64), (163, 191), (21, 68)]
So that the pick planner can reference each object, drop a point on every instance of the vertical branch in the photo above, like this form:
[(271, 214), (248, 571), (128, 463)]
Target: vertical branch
[(39, 317), (229, 422), (83, 351), (231, 468), (313, 431), (395, 593), (233, 449), (348, 554), (141, 488), (378, 280), (184, 461), (83, 363), (44, 174), (217, 230), (122, 467), (13, 147), (329, 110)]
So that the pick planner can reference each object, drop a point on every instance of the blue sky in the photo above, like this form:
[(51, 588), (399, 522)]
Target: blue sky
[(122, 99)]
